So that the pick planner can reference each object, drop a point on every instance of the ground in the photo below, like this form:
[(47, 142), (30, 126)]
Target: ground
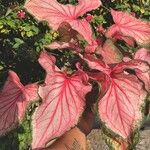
[(95, 141)]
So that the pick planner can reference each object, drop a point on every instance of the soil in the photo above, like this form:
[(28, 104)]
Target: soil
[(95, 141)]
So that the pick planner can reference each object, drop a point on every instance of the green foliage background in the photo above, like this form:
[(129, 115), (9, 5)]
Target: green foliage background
[(21, 41)]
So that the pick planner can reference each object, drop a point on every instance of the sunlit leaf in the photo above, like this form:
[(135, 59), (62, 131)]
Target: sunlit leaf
[(130, 26), (63, 102)]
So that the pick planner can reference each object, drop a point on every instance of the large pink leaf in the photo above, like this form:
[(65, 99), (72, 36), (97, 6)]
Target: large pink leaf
[(144, 54), (110, 53), (63, 102), (56, 13), (122, 95), (14, 99), (128, 25), (120, 108)]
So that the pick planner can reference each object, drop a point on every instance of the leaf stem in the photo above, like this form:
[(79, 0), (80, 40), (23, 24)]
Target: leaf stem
[(105, 8)]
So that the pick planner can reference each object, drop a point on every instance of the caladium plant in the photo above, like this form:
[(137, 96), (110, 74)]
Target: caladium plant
[(124, 82), (14, 99)]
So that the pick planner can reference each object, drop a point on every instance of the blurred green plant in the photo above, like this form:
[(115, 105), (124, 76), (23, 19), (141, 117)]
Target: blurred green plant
[(141, 8)]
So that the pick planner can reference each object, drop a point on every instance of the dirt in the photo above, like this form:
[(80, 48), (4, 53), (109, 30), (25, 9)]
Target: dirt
[(95, 141)]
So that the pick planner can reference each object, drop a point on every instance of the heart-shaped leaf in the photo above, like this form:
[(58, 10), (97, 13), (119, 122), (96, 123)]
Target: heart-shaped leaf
[(63, 102), (122, 95), (14, 99), (128, 25), (120, 108), (56, 13)]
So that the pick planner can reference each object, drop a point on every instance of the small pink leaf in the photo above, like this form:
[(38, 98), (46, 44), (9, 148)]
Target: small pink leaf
[(104, 81), (31, 92), (136, 65), (110, 53), (14, 99), (84, 28), (47, 61), (140, 64), (118, 36), (62, 45), (90, 48), (100, 29), (96, 64), (58, 45), (144, 55), (63, 102), (56, 13), (128, 25), (145, 77)]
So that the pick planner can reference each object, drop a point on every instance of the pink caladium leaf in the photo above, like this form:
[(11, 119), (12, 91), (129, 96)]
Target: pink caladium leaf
[(119, 36), (63, 45), (145, 77), (136, 65), (130, 26), (90, 48), (58, 45), (47, 61), (96, 64), (14, 99), (122, 96), (110, 53), (120, 107), (141, 65), (56, 13), (144, 55), (104, 81), (63, 102)]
